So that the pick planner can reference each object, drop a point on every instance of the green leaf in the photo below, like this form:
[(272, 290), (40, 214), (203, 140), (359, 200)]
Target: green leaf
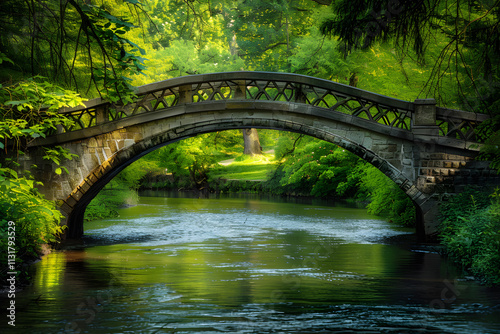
[(58, 171), (16, 103)]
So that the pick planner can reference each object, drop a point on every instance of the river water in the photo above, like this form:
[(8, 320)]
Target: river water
[(250, 265)]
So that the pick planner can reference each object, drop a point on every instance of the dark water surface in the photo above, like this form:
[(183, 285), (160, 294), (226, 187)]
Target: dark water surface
[(247, 265)]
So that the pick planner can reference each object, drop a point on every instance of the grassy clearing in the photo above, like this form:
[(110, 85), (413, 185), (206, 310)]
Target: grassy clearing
[(244, 168)]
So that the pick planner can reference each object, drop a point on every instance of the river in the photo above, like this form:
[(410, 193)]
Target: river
[(250, 265)]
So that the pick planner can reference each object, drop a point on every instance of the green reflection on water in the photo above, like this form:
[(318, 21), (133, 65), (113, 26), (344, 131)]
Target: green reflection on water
[(50, 274)]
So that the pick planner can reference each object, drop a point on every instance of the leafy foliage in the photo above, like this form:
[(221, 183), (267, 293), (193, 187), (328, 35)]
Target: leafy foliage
[(28, 110), (121, 191), (135, 173), (470, 230), (68, 40), (114, 196), (317, 168), (386, 198), (36, 219), (189, 159), (464, 37)]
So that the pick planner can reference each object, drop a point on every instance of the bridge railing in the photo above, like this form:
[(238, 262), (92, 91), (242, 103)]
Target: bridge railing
[(459, 124), (274, 87)]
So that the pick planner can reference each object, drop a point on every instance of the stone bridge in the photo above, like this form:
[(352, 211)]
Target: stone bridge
[(427, 150)]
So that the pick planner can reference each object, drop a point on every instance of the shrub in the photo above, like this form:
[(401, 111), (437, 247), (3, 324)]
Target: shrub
[(387, 199), (35, 220), (470, 231), (114, 196)]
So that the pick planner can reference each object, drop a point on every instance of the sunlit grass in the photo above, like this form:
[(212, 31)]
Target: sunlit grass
[(255, 168)]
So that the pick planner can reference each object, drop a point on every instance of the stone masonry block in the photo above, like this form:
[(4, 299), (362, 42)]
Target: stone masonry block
[(392, 148), (112, 145), (367, 142), (455, 157), (430, 179), (66, 187), (77, 195), (438, 156), (137, 136), (447, 164), (356, 136), (128, 142), (107, 153), (425, 171), (95, 160), (92, 142), (437, 163), (71, 201), (100, 156), (387, 155), (84, 187), (66, 208), (407, 162)]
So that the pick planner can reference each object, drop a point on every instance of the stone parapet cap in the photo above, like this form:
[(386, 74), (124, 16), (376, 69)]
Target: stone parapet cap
[(425, 101)]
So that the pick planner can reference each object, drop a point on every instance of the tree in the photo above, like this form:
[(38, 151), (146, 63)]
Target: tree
[(251, 142), (466, 35), (266, 30), (469, 30), (72, 42)]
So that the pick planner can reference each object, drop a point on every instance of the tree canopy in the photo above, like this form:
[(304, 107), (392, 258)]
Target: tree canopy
[(466, 35)]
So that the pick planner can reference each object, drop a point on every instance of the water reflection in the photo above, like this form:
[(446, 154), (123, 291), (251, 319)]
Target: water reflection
[(247, 266)]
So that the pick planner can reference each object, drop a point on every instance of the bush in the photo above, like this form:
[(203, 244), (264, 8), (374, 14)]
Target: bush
[(387, 199), (35, 219), (114, 196), (470, 231)]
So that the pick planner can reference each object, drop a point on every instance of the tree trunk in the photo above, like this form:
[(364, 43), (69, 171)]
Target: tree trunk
[(251, 142)]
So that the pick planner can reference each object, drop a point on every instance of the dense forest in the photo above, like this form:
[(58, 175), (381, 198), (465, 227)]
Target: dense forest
[(60, 53)]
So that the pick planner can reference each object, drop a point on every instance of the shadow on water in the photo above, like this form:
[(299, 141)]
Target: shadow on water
[(105, 240)]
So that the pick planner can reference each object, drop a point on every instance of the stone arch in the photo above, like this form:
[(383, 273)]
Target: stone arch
[(185, 126), (427, 150)]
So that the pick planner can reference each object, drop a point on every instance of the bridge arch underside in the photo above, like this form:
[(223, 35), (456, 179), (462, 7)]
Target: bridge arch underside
[(390, 150)]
